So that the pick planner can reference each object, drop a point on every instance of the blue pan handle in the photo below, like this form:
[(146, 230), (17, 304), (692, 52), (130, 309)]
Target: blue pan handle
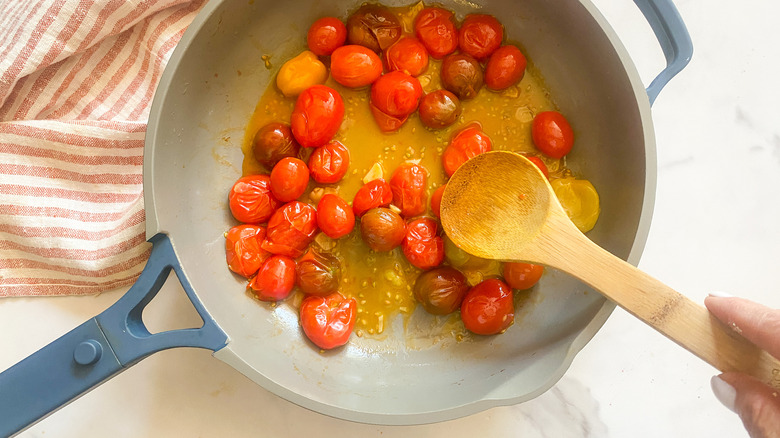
[(673, 36), (100, 348)]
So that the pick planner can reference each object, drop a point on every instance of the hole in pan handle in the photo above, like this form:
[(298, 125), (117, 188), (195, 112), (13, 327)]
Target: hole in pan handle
[(100, 348), (670, 30)]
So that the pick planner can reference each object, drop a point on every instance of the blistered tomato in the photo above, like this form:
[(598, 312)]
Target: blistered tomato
[(376, 193), (522, 276), (462, 74), (435, 28), (334, 216), (251, 200), (289, 179), (465, 145), (275, 279), (407, 55), (328, 321), (488, 308), (318, 273), (317, 116), (422, 245), (272, 142), (326, 35), (480, 35), (396, 94), (242, 249), (441, 290), (291, 229), (580, 201), (329, 163), (506, 67), (300, 73), (373, 26), (552, 134), (409, 184), (355, 66)]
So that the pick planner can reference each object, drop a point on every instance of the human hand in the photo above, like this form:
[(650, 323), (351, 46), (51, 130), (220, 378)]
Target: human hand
[(757, 404)]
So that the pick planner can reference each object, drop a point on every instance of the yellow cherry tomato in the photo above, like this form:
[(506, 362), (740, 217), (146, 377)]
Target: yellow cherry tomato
[(300, 73), (580, 201)]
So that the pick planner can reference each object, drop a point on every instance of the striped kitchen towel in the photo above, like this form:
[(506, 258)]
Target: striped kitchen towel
[(77, 78)]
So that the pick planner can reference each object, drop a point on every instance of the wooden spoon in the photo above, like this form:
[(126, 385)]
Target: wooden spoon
[(499, 205)]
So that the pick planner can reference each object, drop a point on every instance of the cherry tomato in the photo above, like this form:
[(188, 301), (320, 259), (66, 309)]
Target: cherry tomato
[(382, 229), (409, 184), (317, 116), (291, 229), (441, 290), (552, 134), (488, 308), (355, 66), (436, 200), (289, 179), (273, 142), (251, 200), (396, 94), (334, 216), (465, 145), (373, 26), (435, 28), (376, 193), (422, 245), (386, 122), (540, 164), (407, 55), (275, 279), (300, 73), (579, 200), (522, 275), (328, 321), (439, 109), (329, 163), (326, 35), (480, 35), (318, 273), (242, 249), (505, 68), (462, 74)]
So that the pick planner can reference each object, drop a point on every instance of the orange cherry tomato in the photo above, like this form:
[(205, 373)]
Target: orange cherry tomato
[(407, 55), (522, 276), (396, 94), (552, 134), (436, 200), (409, 184), (465, 145), (480, 35), (289, 179), (242, 249), (376, 193), (488, 308), (505, 68), (355, 66), (422, 245), (328, 321), (317, 116), (275, 279), (435, 28), (291, 229), (334, 216), (251, 200), (326, 35), (540, 164), (329, 163)]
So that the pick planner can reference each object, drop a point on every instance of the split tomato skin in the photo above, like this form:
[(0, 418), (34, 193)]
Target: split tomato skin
[(396, 94), (462, 75), (376, 193), (409, 184), (439, 109), (488, 308), (407, 55), (552, 134), (436, 30), (291, 229), (275, 279), (242, 249), (317, 116), (251, 200), (373, 26), (328, 321), (334, 216), (465, 145), (329, 163), (480, 35), (506, 67), (326, 35), (422, 245), (289, 179), (355, 66), (522, 276), (441, 290)]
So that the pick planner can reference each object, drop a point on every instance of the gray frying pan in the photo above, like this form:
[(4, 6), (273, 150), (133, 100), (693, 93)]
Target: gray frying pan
[(193, 156)]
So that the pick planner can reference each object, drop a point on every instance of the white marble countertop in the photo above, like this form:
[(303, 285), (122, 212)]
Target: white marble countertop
[(714, 228)]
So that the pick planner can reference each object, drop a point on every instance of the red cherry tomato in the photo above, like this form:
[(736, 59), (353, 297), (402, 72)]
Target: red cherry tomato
[(251, 200), (480, 35), (329, 163), (505, 68), (291, 229), (436, 200), (334, 216), (552, 134), (396, 94), (488, 308), (422, 245), (465, 145), (317, 116), (355, 66), (376, 193), (407, 55), (386, 123), (326, 35), (522, 275), (409, 184), (289, 179), (275, 279), (540, 164), (435, 28), (242, 249), (328, 321)]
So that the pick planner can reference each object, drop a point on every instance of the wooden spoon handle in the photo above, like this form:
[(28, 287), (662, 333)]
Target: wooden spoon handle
[(671, 313)]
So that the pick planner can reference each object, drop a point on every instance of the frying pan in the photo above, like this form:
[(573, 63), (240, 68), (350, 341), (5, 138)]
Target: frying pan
[(415, 375)]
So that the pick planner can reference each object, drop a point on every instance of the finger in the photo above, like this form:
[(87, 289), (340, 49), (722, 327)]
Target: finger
[(757, 404), (758, 324)]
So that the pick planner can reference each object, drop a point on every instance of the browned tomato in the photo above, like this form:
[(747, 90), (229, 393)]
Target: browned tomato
[(251, 200), (273, 142), (242, 249), (439, 109), (480, 35), (465, 145), (441, 290), (462, 74), (328, 321), (382, 229), (376, 193), (435, 28), (505, 68), (422, 245), (407, 55), (291, 229), (355, 66), (409, 184), (318, 273), (373, 26)]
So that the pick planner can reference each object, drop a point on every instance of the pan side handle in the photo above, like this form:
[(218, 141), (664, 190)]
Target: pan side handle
[(670, 30), (100, 348)]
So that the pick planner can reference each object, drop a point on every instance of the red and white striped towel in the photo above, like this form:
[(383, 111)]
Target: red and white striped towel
[(77, 78)]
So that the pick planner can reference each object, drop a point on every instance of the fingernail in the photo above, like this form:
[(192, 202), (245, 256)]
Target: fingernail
[(721, 294), (724, 392)]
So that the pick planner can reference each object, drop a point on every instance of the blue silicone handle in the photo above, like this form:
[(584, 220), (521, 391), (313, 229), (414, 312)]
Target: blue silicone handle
[(673, 36), (100, 348)]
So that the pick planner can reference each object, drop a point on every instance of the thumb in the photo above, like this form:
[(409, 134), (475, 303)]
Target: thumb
[(757, 404)]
